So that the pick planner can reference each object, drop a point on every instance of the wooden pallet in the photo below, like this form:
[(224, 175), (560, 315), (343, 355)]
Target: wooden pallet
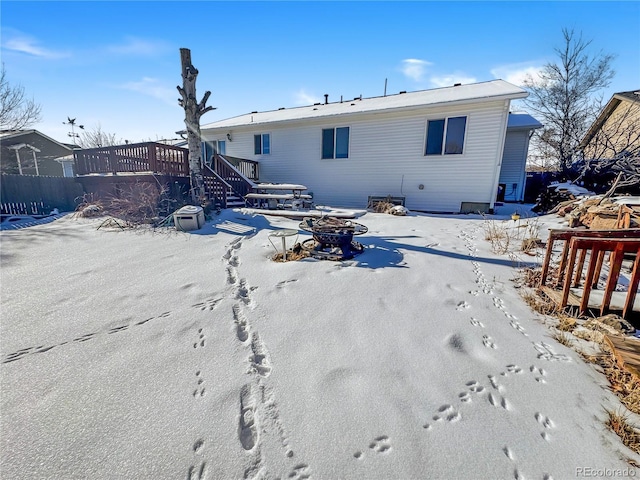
[(626, 351)]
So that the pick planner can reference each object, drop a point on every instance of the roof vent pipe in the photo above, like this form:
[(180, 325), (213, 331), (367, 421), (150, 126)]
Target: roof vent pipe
[(326, 98)]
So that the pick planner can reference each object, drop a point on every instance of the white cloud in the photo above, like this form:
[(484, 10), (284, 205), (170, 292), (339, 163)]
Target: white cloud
[(451, 79), (21, 43), (138, 46), (516, 73), (304, 98), (414, 68), (153, 88)]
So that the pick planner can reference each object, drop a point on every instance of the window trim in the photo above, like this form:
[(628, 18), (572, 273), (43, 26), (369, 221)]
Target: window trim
[(335, 143), (443, 145), (262, 136)]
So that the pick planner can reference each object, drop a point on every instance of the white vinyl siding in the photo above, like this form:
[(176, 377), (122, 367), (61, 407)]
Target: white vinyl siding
[(512, 172), (386, 157)]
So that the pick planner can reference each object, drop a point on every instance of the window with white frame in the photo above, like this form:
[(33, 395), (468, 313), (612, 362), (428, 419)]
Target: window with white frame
[(335, 142), (445, 136), (262, 144)]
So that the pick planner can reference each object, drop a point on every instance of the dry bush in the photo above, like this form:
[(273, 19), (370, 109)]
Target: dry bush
[(499, 236), (382, 207), (138, 204), (540, 303), (567, 323), (88, 206), (563, 338), (629, 434)]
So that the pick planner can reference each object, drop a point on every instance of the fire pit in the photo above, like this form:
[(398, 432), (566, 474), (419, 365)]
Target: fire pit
[(332, 238)]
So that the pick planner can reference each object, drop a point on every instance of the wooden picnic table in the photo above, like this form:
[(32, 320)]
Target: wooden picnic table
[(275, 196)]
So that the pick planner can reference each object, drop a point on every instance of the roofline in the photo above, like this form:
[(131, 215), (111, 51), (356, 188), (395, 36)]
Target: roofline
[(30, 131), (613, 103), (493, 98)]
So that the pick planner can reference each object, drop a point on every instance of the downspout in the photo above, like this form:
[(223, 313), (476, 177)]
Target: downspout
[(524, 170), (498, 163), (19, 163)]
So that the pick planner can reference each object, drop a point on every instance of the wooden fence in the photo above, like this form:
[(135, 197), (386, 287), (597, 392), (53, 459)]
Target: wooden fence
[(30, 194)]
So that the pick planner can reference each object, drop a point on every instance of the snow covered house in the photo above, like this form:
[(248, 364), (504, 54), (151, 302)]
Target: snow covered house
[(441, 149)]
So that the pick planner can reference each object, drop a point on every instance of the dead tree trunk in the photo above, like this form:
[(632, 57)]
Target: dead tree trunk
[(193, 110)]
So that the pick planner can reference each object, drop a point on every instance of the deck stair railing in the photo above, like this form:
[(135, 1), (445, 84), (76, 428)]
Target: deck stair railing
[(589, 247), (240, 183), (248, 168)]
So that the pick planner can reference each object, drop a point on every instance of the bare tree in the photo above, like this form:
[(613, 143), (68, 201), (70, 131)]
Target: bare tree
[(563, 97), (16, 110), (193, 110), (97, 138)]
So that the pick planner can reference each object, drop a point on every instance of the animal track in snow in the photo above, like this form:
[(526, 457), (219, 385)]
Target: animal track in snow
[(381, 444), (285, 282), (197, 472), (516, 325), (462, 306), (448, 413), (487, 341), (260, 362), (118, 329), (476, 323), (201, 342), (84, 338), (208, 304), (494, 383), (498, 401), (539, 374), (300, 472), (514, 369), (543, 420), (545, 352), (247, 428), (200, 389), (475, 387)]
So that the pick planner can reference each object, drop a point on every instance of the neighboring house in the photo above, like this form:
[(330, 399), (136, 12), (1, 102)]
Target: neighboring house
[(616, 131), (30, 152), (513, 174), (440, 149)]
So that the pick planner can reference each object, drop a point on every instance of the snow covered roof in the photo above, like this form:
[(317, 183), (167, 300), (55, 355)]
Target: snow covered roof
[(523, 120), (461, 94)]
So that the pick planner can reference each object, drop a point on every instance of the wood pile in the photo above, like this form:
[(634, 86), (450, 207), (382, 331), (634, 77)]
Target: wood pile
[(598, 213)]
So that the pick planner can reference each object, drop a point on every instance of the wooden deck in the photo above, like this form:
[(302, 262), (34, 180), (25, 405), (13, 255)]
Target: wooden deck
[(582, 259), (626, 351)]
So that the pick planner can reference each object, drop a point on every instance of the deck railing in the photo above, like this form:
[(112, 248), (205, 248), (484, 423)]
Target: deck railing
[(239, 182), (133, 158), (592, 245), (248, 168)]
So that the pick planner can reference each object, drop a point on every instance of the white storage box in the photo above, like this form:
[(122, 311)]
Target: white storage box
[(189, 217)]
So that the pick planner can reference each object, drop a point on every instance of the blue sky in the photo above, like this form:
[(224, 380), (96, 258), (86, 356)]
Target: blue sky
[(117, 64)]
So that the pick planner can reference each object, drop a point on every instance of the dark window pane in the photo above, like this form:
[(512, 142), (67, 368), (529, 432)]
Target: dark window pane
[(435, 132), (455, 135), (342, 142), (222, 147), (266, 144), (327, 143), (257, 144)]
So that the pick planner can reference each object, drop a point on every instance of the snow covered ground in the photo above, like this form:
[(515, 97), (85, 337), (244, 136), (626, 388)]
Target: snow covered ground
[(130, 354)]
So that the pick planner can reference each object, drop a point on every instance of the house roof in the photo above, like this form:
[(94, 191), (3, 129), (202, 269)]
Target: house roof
[(49, 148), (461, 94), (522, 121), (632, 96)]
